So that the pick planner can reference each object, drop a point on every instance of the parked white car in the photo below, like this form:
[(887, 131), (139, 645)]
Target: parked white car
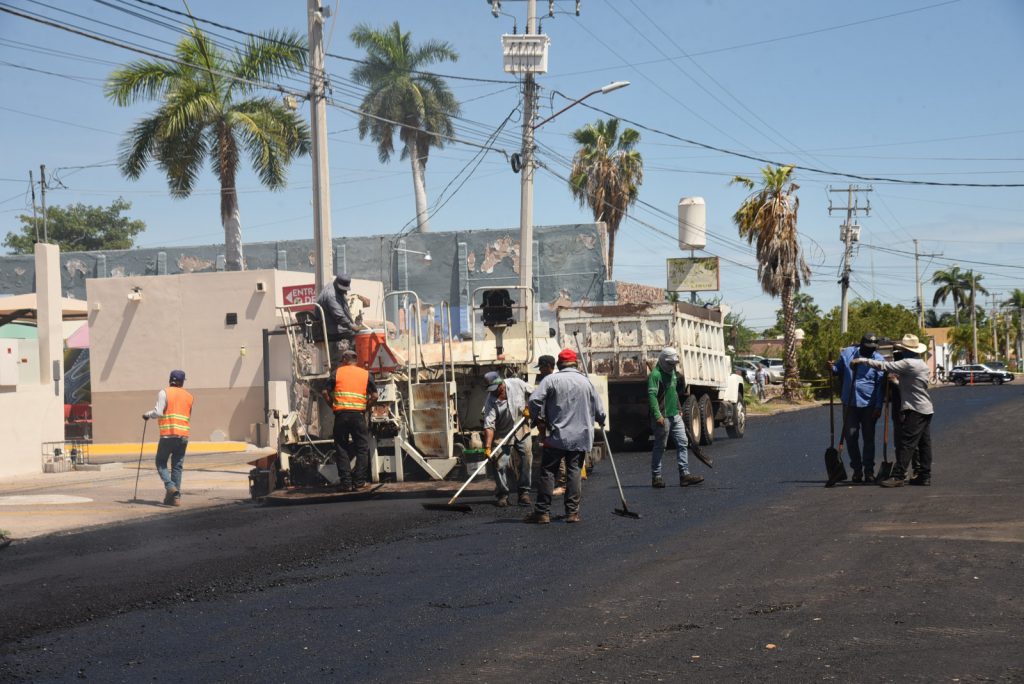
[(775, 370)]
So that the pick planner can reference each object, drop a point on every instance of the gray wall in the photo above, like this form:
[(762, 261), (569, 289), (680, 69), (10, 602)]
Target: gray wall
[(569, 264)]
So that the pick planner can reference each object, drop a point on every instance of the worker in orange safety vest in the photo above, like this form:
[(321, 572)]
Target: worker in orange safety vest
[(353, 394), (174, 409)]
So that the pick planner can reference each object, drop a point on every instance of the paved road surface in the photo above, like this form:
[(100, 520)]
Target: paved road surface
[(759, 575)]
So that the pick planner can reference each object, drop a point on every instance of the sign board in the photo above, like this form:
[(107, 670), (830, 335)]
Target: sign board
[(299, 294), (692, 274)]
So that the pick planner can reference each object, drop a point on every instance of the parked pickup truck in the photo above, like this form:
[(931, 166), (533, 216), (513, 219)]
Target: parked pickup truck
[(623, 342)]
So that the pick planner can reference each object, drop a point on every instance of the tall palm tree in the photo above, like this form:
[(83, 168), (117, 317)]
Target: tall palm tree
[(973, 288), (419, 105), (606, 174), (1016, 301), (951, 286), (767, 218), (209, 107)]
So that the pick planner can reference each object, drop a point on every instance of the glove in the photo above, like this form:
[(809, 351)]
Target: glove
[(487, 452), (856, 361), (145, 416), (526, 411)]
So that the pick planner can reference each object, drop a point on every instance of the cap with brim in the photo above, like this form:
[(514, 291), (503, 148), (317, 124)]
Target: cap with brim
[(546, 360), (343, 282), (910, 343), (567, 356), (177, 376), (493, 381)]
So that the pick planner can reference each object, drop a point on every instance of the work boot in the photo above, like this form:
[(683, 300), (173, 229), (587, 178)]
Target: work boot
[(170, 496), (690, 479), (869, 477), (858, 477), (573, 517), (177, 500), (537, 518), (921, 481), (524, 499), (502, 501), (358, 486), (894, 481), (657, 482)]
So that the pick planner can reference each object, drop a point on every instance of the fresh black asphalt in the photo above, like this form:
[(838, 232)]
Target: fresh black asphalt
[(760, 574)]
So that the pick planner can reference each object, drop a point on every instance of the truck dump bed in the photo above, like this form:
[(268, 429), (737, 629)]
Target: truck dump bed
[(624, 340)]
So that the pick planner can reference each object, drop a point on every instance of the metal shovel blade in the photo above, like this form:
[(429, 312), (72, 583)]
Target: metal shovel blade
[(457, 507), (626, 513)]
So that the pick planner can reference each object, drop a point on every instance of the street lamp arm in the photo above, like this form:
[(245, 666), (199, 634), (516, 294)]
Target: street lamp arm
[(603, 90)]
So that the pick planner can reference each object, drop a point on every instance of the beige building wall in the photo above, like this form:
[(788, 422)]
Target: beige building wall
[(181, 321), (32, 412)]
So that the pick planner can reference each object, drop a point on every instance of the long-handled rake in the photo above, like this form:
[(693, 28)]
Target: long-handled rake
[(138, 468), (466, 508), (624, 511)]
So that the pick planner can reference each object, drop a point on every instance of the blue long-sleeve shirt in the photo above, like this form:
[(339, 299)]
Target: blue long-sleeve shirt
[(569, 406), (862, 384)]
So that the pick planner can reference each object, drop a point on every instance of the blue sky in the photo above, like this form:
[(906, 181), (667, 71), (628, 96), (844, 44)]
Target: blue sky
[(921, 90)]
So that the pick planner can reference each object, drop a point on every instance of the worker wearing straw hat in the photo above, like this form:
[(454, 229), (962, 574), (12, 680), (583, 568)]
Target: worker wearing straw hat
[(916, 410)]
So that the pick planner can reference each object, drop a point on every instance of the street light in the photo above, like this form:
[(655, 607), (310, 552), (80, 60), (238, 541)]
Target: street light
[(604, 90), (426, 255), (526, 196)]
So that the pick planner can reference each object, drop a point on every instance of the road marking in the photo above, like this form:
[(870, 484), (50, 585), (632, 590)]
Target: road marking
[(42, 499)]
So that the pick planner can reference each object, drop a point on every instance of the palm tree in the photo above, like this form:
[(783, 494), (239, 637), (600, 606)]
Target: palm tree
[(209, 108), (767, 218), (1016, 301), (934, 320), (951, 286), (973, 288), (606, 174), (420, 105)]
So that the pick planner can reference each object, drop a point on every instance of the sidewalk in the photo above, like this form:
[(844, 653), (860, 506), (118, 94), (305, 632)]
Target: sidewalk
[(33, 505)]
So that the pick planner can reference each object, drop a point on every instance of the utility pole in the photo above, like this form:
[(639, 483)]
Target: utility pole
[(32, 189), (318, 128), (918, 287), (1006, 336), (526, 186), (995, 327), (42, 193), (849, 233), (974, 319)]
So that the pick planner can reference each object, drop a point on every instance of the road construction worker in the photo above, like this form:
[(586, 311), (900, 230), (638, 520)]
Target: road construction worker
[(338, 319), (174, 409), (546, 365), (916, 410), (663, 385), (505, 405), (567, 405), (353, 394), (861, 394)]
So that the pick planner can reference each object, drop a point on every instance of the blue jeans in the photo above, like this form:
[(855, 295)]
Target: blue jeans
[(677, 429), (173, 448), (500, 470)]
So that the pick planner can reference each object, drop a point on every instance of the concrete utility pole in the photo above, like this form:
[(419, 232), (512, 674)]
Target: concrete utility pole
[(974, 319), (995, 327), (318, 128), (32, 189), (42, 193), (849, 233), (526, 182), (919, 288)]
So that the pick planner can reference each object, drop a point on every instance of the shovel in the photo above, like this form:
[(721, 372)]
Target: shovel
[(833, 461), (885, 470), (466, 508)]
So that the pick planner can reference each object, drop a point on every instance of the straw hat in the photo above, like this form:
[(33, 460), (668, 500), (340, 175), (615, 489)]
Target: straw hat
[(911, 344)]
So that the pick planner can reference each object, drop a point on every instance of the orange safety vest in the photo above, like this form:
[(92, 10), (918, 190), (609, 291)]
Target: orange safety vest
[(176, 420), (350, 388)]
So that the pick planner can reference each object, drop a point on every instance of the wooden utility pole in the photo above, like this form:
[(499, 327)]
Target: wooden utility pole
[(849, 233)]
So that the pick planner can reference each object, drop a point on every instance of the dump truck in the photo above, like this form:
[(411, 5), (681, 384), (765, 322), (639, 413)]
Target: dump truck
[(622, 342)]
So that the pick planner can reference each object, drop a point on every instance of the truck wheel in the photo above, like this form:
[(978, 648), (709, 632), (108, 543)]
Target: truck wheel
[(691, 414), (707, 419), (739, 420)]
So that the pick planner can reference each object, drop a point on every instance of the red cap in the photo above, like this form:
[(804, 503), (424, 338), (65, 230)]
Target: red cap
[(567, 356)]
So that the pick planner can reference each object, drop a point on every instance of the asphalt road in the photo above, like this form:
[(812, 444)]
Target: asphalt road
[(761, 574)]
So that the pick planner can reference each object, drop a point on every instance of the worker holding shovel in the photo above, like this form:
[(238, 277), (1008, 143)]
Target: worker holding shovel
[(174, 409), (861, 394), (568, 406), (663, 394), (505, 404)]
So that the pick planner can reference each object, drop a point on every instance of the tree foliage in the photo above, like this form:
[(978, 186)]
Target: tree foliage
[(607, 171), (822, 340), (805, 314), (78, 228), (738, 334), (209, 110), (403, 98)]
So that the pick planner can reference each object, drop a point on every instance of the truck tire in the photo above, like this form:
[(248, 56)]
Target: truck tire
[(739, 420), (691, 414), (707, 420)]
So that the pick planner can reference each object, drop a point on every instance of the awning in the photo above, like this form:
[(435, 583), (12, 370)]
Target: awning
[(19, 307)]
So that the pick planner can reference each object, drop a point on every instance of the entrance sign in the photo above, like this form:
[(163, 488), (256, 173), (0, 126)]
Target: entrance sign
[(692, 274)]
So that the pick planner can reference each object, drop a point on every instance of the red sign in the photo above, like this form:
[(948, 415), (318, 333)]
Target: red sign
[(299, 294)]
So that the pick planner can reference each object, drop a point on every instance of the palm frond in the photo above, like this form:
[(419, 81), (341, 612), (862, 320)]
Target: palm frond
[(138, 147), (269, 56), (142, 80)]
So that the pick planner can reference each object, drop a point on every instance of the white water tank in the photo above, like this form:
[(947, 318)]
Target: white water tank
[(692, 223)]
